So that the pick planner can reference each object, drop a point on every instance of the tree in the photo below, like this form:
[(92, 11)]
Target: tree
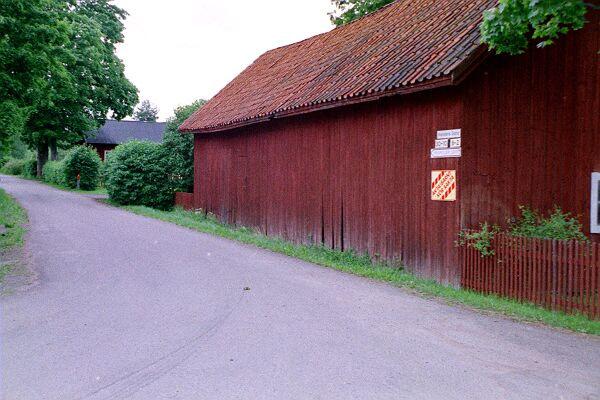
[(349, 10), (33, 38), (146, 112), (509, 27), (180, 148), (69, 78)]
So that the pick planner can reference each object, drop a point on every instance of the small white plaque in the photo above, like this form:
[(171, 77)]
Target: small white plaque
[(448, 134), (441, 143), (444, 153), (455, 142)]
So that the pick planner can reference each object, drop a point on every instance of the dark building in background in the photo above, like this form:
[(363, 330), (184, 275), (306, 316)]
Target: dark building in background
[(113, 133), (392, 133)]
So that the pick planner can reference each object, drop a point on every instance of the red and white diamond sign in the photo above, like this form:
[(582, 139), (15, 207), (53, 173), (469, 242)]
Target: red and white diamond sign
[(443, 185)]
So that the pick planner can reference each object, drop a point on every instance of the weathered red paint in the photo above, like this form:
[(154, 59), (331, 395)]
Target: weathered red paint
[(556, 274), (184, 200), (359, 176)]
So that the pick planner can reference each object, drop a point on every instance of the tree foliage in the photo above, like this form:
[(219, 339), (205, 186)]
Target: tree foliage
[(59, 74), (509, 27), (33, 38), (349, 10), (180, 148), (146, 111)]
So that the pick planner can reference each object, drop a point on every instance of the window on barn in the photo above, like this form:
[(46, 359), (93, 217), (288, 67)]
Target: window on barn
[(595, 212)]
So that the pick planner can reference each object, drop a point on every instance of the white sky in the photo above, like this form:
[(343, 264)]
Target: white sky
[(176, 51)]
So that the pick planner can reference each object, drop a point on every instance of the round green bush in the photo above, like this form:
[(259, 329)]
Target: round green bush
[(14, 167), (85, 162), (136, 174), (54, 172)]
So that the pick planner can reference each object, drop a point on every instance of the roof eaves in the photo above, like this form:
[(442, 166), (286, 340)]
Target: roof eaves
[(442, 81)]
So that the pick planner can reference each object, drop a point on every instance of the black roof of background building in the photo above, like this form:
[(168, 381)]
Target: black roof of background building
[(117, 132)]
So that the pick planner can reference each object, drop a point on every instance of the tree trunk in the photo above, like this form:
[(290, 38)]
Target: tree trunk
[(42, 157), (53, 150)]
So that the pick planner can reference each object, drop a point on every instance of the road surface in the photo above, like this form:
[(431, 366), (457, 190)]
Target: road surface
[(127, 307)]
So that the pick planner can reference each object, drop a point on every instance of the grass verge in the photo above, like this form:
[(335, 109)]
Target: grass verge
[(362, 265), (12, 219)]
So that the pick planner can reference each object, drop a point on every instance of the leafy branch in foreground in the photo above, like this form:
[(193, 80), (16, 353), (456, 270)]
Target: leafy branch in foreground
[(510, 26), (349, 10)]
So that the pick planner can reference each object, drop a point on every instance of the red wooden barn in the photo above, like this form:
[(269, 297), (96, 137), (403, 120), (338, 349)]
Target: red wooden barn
[(333, 139)]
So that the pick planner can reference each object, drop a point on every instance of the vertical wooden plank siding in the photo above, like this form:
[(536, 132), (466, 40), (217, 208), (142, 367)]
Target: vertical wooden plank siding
[(530, 265), (358, 177), (351, 178), (532, 131), (184, 200)]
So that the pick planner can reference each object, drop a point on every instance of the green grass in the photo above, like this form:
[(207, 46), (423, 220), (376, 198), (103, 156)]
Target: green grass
[(362, 265), (13, 218)]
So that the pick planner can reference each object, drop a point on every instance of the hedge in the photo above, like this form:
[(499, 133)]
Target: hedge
[(136, 174), (54, 172), (14, 167), (85, 162)]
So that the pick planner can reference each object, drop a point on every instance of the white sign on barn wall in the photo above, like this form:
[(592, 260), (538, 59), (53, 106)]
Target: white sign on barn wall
[(447, 144), (443, 185)]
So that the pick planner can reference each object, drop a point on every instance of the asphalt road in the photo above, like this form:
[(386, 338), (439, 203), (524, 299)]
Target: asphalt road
[(127, 307)]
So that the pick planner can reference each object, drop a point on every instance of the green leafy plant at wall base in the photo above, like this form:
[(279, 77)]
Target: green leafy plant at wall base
[(557, 225), (480, 240)]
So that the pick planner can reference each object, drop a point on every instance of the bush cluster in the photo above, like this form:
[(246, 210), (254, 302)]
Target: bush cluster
[(85, 162), (14, 167), (54, 172), (136, 174), (144, 173)]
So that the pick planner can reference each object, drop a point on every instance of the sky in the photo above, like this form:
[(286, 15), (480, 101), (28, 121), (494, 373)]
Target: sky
[(177, 51)]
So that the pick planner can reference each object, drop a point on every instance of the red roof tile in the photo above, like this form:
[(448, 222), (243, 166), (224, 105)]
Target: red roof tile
[(406, 46)]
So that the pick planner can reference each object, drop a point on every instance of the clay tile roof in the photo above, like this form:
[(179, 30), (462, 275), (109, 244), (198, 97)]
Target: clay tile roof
[(406, 46)]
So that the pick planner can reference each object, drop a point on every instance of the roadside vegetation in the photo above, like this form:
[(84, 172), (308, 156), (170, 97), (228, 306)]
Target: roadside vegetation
[(148, 174), (531, 224), (79, 161), (12, 230), (363, 265)]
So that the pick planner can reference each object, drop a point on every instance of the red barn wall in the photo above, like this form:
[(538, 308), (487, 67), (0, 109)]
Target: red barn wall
[(352, 178), (531, 132), (358, 177)]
